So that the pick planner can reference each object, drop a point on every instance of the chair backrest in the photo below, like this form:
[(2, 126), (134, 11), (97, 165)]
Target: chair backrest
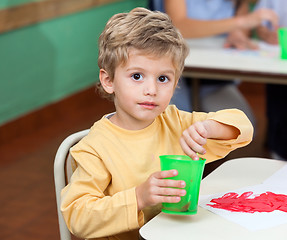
[(62, 173), (156, 5)]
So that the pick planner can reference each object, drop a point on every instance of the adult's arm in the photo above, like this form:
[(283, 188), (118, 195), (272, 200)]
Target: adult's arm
[(193, 28)]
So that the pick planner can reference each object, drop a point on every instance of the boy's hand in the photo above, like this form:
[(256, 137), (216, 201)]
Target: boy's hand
[(193, 139), (156, 189)]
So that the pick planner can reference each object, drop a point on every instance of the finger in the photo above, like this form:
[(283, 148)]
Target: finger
[(155, 199), (187, 150), (227, 45), (190, 144), (167, 199), (252, 45), (273, 39), (165, 174), (194, 135), (167, 191), (200, 130), (171, 183), (195, 142), (239, 45)]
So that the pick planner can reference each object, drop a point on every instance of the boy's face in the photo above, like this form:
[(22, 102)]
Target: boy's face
[(143, 88)]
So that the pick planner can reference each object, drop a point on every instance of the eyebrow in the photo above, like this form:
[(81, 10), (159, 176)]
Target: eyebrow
[(167, 71)]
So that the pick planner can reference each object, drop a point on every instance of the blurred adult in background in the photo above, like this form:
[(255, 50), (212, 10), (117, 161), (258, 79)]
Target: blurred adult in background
[(266, 31), (276, 95), (206, 18)]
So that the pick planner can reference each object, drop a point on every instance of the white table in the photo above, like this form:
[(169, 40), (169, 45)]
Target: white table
[(208, 59), (206, 225)]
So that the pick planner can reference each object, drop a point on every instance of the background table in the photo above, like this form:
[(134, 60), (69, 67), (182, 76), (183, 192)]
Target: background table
[(208, 59), (206, 225)]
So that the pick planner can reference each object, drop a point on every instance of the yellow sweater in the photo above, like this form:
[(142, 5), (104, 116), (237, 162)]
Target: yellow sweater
[(100, 200)]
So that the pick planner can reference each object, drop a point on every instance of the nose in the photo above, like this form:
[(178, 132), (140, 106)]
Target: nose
[(150, 87)]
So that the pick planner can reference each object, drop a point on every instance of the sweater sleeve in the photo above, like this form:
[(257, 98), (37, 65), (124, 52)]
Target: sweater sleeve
[(216, 149), (91, 212)]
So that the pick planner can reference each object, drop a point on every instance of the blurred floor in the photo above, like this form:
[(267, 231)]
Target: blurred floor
[(27, 200)]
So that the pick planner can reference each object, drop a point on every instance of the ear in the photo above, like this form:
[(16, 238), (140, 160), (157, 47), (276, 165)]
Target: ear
[(176, 84), (106, 81)]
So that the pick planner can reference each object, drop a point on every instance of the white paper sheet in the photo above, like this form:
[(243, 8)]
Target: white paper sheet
[(278, 179), (258, 220)]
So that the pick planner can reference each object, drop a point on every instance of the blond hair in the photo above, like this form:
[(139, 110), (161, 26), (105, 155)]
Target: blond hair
[(149, 31)]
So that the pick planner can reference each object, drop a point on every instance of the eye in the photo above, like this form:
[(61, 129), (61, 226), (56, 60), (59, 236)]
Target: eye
[(137, 76), (163, 79)]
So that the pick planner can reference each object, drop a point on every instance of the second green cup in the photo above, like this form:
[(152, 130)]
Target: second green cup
[(189, 171), (282, 37)]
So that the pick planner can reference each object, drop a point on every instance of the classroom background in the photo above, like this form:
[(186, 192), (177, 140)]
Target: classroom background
[(48, 71)]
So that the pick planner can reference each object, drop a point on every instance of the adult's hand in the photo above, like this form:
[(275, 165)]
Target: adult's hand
[(254, 19), (269, 36), (240, 40)]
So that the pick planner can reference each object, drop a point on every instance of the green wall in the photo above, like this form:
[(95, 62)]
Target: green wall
[(46, 62), (13, 3)]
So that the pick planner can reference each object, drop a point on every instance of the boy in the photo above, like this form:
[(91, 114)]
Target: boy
[(118, 185)]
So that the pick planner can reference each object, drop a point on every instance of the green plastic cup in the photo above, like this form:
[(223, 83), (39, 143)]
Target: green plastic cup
[(282, 37), (189, 171)]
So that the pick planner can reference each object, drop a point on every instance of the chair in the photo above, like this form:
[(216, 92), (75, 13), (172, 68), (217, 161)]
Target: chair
[(156, 5), (62, 173)]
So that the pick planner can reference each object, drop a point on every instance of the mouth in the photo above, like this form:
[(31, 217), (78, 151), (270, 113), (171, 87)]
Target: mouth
[(148, 105)]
